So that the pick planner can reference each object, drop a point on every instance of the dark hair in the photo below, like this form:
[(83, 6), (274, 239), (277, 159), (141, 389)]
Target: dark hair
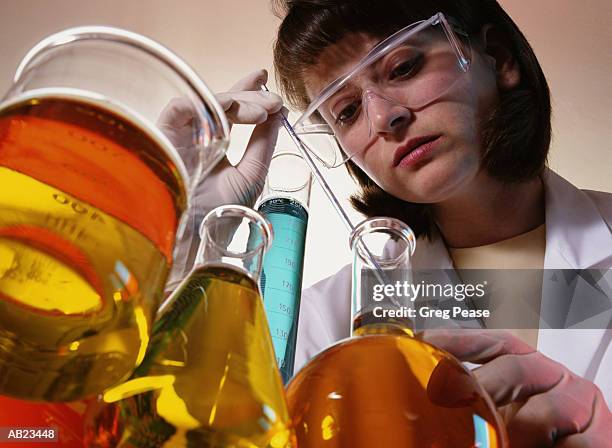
[(516, 134)]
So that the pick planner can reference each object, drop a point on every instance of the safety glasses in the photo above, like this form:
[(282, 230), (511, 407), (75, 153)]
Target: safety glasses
[(405, 72)]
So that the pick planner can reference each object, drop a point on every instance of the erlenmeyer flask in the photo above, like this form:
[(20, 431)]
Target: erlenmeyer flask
[(209, 377), (93, 190), (284, 202), (382, 387)]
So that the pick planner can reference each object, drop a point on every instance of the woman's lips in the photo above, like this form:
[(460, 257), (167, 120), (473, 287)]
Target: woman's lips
[(415, 150)]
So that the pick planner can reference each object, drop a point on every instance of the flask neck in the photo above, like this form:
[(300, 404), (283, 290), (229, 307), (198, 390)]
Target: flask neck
[(234, 236), (381, 249)]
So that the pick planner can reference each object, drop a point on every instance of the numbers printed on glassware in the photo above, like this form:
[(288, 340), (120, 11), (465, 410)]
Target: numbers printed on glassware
[(280, 333), (77, 207), (72, 227), (285, 309), (288, 285)]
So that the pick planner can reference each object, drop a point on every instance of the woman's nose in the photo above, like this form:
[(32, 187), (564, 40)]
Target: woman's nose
[(384, 114)]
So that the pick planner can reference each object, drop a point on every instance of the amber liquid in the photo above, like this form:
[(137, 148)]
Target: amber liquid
[(390, 390), (89, 205), (209, 379)]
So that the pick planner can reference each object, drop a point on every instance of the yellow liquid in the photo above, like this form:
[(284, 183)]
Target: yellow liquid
[(88, 210), (209, 379), (390, 390)]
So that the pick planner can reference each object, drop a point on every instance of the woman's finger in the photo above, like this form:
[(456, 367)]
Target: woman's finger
[(249, 107), (509, 378), (547, 417), (598, 433), (476, 346), (252, 81)]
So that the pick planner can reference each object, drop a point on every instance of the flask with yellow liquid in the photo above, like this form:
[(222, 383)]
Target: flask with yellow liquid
[(209, 377), (382, 387), (93, 193)]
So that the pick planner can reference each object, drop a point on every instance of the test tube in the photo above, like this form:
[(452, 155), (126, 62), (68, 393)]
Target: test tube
[(284, 203)]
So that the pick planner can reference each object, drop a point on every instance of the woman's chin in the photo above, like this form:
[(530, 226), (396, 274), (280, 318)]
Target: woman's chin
[(434, 183)]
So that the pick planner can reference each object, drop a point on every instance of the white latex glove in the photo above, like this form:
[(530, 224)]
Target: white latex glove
[(244, 103), (543, 404)]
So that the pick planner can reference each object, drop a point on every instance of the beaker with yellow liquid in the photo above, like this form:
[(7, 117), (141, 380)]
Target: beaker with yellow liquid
[(382, 387), (209, 377), (92, 197)]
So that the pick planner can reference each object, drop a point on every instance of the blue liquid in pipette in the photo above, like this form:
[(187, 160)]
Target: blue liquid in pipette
[(281, 278)]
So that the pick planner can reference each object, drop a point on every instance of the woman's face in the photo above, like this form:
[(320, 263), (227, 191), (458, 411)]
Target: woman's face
[(424, 155)]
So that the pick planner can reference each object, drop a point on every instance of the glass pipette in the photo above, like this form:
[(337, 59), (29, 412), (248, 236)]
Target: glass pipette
[(315, 170)]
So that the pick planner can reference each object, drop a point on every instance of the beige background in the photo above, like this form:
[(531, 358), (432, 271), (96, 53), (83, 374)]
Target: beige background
[(223, 40)]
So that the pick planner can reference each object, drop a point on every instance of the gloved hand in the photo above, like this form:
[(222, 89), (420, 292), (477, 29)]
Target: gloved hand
[(241, 184), (542, 403), (244, 103)]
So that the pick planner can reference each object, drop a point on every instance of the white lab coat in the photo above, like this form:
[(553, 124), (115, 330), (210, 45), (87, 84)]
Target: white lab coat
[(578, 236)]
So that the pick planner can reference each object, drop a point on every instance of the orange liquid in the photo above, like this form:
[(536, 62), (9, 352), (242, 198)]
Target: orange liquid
[(390, 391), (89, 205), (99, 157)]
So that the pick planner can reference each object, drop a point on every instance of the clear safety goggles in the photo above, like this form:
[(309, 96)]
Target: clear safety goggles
[(405, 72)]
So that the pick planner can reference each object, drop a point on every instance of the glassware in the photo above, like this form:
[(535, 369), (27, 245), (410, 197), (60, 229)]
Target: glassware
[(209, 377), (284, 203), (92, 196), (383, 387), (408, 70)]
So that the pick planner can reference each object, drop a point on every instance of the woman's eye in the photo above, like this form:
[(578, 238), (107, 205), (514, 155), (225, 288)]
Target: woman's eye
[(348, 114), (405, 68)]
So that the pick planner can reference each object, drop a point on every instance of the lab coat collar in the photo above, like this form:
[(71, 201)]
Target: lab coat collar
[(577, 237), (431, 254)]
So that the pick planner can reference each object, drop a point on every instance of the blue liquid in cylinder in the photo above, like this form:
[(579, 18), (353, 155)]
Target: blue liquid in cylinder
[(281, 278)]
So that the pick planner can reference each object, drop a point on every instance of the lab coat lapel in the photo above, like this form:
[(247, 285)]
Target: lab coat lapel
[(577, 237)]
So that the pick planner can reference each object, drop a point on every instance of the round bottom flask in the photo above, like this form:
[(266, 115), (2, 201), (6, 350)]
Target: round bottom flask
[(382, 387)]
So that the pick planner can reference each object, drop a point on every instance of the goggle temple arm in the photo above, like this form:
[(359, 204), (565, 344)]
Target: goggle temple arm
[(464, 62)]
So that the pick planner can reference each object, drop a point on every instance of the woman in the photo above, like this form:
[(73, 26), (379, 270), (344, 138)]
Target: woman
[(460, 157)]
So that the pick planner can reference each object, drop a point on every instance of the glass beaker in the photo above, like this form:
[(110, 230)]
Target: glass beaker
[(209, 377), (92, 195), (383, 387), (284, 202)]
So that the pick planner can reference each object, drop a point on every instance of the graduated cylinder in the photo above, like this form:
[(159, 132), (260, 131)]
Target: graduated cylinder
[(284, 203)]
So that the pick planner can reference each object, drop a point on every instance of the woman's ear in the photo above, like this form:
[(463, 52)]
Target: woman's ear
[(497, 48)]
